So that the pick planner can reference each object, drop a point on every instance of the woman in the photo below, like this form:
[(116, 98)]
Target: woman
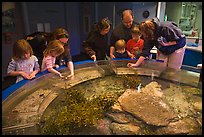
[(96, 44), (65, 58), (168, 39)]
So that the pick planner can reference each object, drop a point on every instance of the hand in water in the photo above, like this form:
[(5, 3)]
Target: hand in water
[(112, 56), (69, 76), (93, 57), (131, 65), (61, 76)]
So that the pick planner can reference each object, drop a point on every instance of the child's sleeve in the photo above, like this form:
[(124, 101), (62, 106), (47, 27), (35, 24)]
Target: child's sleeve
[(36, 64), (12, 66)]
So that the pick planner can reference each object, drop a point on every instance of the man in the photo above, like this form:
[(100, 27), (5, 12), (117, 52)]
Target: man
[(122, 30)]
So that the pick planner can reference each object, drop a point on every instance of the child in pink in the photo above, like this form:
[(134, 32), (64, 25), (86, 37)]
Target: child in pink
[(53, 50)]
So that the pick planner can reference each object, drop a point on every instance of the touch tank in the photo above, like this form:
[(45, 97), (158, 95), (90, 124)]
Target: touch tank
[(107, 98)]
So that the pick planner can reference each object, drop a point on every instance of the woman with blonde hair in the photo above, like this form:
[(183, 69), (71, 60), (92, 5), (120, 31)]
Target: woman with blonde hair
[(53, 50)]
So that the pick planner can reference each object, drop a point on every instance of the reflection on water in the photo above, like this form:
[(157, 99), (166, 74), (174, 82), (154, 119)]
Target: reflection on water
[(96, 102), (93, 108)]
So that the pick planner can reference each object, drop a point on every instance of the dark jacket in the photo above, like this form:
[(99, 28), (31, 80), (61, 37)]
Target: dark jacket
[(168, 30), (38, 43), (121, 55), (121, 32), (96, 44), (65, 56)]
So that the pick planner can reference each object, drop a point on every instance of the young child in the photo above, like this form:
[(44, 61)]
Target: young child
[(136, 44), (23, 64), (65, 58), (53, 50), (120, 50)]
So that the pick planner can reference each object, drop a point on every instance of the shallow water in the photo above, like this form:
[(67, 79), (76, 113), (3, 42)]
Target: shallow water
[(79, 105), (183, 102)]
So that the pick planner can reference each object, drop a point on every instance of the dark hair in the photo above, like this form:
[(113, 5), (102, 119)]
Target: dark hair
[(127, 10), (60, 33), (103, 24)]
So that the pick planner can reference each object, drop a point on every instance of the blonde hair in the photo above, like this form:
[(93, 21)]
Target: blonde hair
[(120, 44), (135, 30), (20, 48), (54, 45)]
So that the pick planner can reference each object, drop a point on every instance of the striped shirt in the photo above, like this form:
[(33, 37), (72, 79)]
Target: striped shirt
[(48, 62), (28, 66)]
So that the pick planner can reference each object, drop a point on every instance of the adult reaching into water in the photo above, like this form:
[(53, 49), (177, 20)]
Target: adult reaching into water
[(168, 39), (96, 43)]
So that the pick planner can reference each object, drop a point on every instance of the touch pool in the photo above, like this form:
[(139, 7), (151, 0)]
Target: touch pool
[(107, 98)]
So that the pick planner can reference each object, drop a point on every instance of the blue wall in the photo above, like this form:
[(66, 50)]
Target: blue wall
[(58, 14), (68, 15)]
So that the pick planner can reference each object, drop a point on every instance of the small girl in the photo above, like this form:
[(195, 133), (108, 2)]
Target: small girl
[(136, 44), (120, 50), (53, 50), (23, 64)]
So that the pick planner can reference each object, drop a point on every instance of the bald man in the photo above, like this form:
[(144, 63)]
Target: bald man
[(122, 30)]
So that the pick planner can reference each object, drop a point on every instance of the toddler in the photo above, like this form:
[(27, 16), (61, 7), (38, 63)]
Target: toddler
[(120, 50)]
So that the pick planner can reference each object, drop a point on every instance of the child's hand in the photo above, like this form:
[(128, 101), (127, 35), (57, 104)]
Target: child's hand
[(60, 75), (32, 75), (56, 66), (132, 56), (69, 76), (112, 56), (131, 65), (93, 57), (135, 48), (25, 75)]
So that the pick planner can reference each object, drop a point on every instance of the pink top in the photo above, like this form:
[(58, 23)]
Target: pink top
[(48, 62)]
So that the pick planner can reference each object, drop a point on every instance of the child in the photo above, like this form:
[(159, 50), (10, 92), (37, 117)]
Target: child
[(136, 44), (53, 50), (120, 50), (65, 58), (24, 64)]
